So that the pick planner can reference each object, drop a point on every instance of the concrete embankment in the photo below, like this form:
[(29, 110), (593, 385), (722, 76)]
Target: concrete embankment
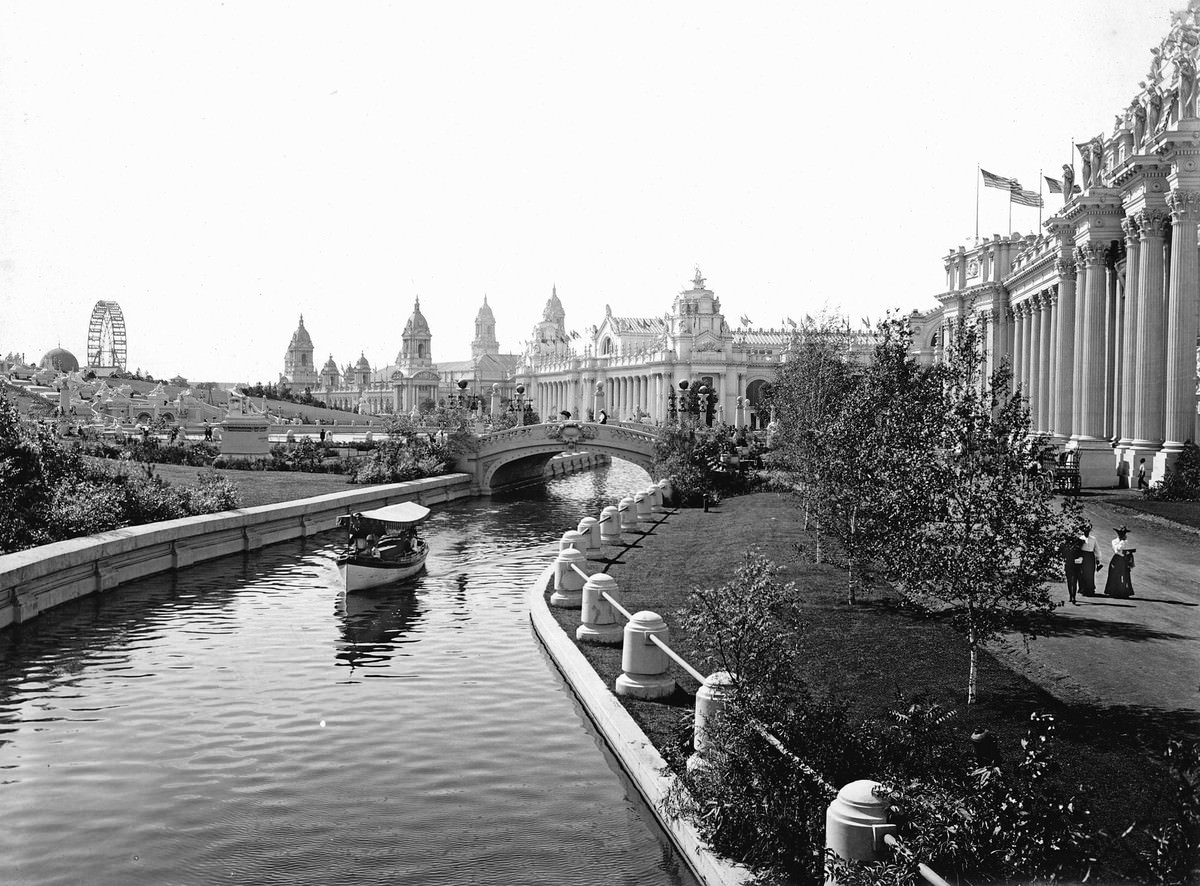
[(40, 578), (639, 759)]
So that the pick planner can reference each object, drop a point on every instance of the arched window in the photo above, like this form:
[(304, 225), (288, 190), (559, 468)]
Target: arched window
[(607, 346), (421, 351), (933, 340)]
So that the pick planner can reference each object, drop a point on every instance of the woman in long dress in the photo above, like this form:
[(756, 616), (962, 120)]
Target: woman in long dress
[(1120, 582), (1087, 565)]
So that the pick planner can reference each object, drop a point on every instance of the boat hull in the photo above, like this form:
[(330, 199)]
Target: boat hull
[(361, 573)]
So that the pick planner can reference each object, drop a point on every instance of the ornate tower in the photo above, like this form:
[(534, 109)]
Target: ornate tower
[(415, 349), (485, 333), (550, 335), (697, 311), (298, 367), (330, 376)]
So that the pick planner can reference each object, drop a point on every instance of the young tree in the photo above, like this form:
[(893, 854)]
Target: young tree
[(991, 536), (804, 398)]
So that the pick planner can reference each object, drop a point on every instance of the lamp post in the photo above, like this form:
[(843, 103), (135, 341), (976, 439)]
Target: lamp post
[(520, 398), (462, 393), (684, 407)]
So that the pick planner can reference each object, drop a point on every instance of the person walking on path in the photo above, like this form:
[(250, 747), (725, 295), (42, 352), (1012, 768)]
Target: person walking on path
[(1120, 581), (1142, 484), (1072, 554), (1088, 566)]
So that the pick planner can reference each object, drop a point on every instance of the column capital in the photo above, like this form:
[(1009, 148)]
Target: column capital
[(1184, 206), (1092, 253), (1051, 295), (1132, 228), (1065, 268), (1151, 222)]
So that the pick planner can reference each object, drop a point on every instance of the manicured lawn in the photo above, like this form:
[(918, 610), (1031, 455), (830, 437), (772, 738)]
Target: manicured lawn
[(875, 655), (1185, 512), (256, 487)]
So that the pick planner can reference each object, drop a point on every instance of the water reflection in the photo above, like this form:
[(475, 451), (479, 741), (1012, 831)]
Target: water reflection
[(374, 625)]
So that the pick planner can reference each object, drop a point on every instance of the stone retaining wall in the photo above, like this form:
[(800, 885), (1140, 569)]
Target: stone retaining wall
[(40, 578)]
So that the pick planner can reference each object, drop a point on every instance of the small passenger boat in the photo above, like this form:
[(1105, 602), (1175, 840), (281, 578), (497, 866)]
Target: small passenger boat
[(383, 546)]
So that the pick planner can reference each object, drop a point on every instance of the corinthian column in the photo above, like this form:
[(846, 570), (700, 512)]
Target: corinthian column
[(1019, 349), (1077, 423), (1148, 350), (1182, 322), (1035, 363), (1091, 409), (1045, 363), (1128, 376), (1064, 349)]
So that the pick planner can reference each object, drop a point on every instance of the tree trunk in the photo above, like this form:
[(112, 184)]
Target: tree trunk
[(972, 672), (852, 539)]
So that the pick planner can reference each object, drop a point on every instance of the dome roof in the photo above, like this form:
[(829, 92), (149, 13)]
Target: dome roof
[(330, 366), (363, 362), (300, 338), (554, 309), (417, 324), (60, 359), (485, 312)]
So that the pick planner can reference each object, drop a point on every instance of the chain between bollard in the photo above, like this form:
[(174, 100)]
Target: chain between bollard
[(581, 573), (678, 659), (928, 874), (816, 777), (617, 606)]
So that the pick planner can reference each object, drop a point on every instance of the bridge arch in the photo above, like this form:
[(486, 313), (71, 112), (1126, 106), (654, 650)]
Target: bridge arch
[(504, 454)]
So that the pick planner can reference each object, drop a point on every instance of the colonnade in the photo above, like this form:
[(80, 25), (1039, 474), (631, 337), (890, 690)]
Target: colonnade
[(1106, 353)]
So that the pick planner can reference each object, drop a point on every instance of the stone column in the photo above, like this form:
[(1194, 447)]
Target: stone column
[(1092, 364), (1044, 415), (1128, 377), (1111, 349), (1051, 382), (1149, 358), (1077, 424), (1035, 363), (1183, 318), (1019, 349)]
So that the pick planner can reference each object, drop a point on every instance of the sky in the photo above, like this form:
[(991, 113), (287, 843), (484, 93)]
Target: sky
[(219, 168)]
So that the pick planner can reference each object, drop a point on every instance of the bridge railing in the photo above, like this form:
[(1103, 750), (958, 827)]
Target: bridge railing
[(856, 825)]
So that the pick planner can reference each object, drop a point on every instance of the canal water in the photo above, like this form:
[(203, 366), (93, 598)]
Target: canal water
[(244, 721)]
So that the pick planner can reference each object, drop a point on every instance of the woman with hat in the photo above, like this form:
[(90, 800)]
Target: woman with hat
[(1120, 582), (1088, 564)]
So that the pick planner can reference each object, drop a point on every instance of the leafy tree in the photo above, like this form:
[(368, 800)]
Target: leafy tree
[(990, 539)]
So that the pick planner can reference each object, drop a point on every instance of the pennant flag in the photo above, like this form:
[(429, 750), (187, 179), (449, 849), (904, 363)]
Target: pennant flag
[(1025, 198), (808, 318), (867, 322), (791, 322), (745, 320), (991, 180), (1053, 184)]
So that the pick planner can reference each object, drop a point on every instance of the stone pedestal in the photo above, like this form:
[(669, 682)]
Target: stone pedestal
[(1096, 469), (244, 437)]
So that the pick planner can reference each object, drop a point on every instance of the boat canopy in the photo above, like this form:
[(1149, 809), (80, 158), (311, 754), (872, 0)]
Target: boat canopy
[(399, 516)]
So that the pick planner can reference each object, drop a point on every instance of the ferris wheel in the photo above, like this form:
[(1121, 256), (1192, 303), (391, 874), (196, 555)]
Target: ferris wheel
[(106, 336)]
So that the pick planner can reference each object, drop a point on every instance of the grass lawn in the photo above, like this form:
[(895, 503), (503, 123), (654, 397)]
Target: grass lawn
[(1185, 512), (256, 487), (875, 655)]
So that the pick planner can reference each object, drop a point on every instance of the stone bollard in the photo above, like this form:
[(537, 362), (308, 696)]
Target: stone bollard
[(599, 622), (643, 664), (667, 490), (568, 584), (290, 437), (856, 823), (590, 527), (610, 526), (643, 503), (572, 539), (628, 514), (657, 506), (370, 437), (710, 700)]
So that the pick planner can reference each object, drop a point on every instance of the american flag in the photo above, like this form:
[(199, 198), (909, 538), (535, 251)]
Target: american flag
[(991, 180), (1023, 197), (1053, 184)]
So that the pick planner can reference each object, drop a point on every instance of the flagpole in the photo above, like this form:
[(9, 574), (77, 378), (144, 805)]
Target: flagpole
[(1041, 202), (1010, 213), (977, 177)]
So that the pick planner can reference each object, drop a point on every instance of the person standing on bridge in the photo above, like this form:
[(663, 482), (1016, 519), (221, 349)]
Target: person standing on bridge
[(603, 417)]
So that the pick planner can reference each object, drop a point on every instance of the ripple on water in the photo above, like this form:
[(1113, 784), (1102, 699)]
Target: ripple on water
[(243, 721)]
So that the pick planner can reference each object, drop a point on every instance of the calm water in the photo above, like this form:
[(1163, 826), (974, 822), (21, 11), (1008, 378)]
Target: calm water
[(244, 722)]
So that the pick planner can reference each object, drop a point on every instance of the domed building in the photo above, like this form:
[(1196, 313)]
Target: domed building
[(59, 359), (299, 368)]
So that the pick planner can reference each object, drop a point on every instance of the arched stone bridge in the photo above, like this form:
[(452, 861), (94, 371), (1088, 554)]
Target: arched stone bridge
[(519, 455)]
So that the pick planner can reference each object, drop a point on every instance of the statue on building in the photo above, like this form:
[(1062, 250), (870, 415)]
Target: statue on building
[(1139, 124), (1187, 85), (1098, 162), (1085, 159), (1153, 111), (1068, 182)]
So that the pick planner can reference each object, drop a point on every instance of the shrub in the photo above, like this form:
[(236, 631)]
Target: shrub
[(1181, 482)]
